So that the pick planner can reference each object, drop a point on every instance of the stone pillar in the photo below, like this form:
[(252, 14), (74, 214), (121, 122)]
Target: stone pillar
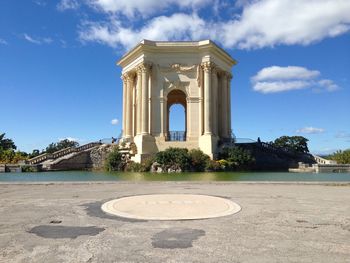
[(163, 116), (124, 106), (224, 100), (219, 104), (214, 100), (128, 124), (207, 98), (145, 99), (134, 93), (200, 111), (229, 77), (138, 101)]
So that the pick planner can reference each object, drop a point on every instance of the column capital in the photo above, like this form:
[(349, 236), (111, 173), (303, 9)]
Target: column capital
[(143, 67), (128, 76), (208, 66), (226, 74)]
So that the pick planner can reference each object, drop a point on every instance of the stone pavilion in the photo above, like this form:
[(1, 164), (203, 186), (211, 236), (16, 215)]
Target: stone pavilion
[(157, 75)]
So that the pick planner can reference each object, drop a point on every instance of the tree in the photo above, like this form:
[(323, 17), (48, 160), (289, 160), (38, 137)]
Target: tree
[(341, 157), (54, 147), (6, 144), (296, 144), (34, 153)]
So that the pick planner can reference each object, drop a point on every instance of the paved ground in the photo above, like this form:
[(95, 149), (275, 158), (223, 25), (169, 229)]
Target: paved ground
[(278, 223)]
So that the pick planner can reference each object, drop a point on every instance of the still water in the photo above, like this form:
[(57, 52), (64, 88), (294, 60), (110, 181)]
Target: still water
[(222, 176)]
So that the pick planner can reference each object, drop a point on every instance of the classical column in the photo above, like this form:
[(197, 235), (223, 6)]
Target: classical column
[(219, 104), (207, 98), (128, 124), (215, 100), (200, 102), (138, 100), (163, 116), (145, 100), (134, 93), (124, 105), (229, 77), (224, 101)]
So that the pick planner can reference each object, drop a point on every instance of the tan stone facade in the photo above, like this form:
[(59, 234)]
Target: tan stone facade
[(157, 75)]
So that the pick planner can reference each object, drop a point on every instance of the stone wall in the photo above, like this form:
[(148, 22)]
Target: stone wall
[(271, 160), (98, 156), (79, 161)]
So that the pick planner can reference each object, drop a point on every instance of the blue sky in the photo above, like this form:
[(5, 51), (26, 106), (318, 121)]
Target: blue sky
[(58, 77)]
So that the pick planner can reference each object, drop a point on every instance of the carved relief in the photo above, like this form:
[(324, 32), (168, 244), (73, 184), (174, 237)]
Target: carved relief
[(178, 68)]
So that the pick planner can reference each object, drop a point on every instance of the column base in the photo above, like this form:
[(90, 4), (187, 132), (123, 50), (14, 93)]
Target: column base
[(208, 143), (146, 146), (126, 139)]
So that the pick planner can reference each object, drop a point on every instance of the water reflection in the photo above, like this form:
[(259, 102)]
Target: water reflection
[(222, 176)]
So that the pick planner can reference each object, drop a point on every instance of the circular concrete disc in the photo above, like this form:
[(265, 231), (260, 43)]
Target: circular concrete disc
[(170, 207)]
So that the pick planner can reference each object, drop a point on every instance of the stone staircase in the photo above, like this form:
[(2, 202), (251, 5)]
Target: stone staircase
[(77, 155)]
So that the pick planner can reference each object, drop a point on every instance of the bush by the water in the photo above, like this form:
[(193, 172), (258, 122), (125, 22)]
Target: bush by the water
[(198, 160), (237, 157), (114, 161), (181, 159), (174, 158)]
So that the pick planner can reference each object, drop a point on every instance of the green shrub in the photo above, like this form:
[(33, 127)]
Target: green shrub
[(28, 169), (198, 160), (173, 157), (147, 164), (224, 164), (134, 167), (114, 161), (237, 157), (213, 166)]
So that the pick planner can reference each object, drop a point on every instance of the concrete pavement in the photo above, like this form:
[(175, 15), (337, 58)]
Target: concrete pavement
[(285, 222)]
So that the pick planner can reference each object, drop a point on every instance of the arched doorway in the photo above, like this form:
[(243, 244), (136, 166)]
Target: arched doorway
[(176, 97)]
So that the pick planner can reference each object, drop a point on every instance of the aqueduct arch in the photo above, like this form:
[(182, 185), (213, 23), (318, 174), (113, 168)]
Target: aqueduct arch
[(157, 75)]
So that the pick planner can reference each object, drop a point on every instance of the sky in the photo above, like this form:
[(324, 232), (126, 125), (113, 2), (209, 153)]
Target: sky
[(59, 79)]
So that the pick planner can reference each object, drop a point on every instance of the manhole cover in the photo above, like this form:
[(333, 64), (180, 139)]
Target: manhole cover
[(170, 207)]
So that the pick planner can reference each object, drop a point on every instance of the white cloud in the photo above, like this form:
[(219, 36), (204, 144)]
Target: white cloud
[(115, 122), (328, 85), (289, 72), (270, 22), (37, 40), (67, 4), (261, 24), (175, 27), (279, 86), (278, 79), (3, 42), (310, 130), (131, 8)]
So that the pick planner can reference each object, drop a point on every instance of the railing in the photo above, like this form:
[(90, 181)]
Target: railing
[(176, 136), (60, 153)]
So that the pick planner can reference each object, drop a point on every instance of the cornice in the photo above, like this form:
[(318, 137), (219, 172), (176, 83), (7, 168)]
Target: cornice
[(173, 47)]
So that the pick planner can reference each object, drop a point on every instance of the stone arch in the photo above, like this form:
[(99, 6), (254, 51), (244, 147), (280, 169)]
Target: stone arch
[(176, 96)]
